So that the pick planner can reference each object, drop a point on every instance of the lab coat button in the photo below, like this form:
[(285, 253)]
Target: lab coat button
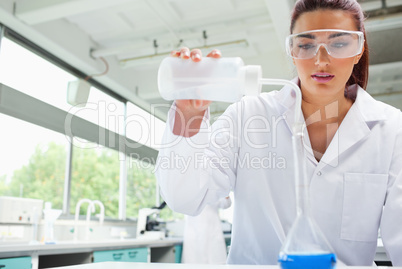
[(319, 173)]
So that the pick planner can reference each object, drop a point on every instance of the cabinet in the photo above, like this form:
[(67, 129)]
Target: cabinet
[(166, 254), (177, 251), (58, 260), (20, 263), (122, 255)]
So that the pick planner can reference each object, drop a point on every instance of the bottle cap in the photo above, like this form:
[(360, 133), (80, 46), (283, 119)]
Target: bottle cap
[(253, 74)]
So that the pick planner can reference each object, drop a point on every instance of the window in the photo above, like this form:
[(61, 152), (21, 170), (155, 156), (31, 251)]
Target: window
[(95, 175), (102, 110), (141, 190), (29, 73), (34, 76), (33, 161), (143, 127), (141, 187)]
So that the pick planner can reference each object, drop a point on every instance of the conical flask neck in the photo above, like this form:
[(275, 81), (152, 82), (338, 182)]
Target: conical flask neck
[(301, 180)]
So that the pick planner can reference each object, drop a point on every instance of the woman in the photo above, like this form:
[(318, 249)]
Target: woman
[(353, 145)]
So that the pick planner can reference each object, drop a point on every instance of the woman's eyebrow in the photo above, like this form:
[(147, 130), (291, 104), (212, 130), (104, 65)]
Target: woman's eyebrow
[(306, 36), (338, 34)]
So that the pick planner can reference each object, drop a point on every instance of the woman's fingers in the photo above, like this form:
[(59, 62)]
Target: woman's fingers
[(196, 55), (215, 54), (175, 53), (185, 53), (200, 105)]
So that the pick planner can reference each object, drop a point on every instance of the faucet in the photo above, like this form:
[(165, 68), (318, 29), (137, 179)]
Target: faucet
[(91, 209), (102, 210), (77, 213)]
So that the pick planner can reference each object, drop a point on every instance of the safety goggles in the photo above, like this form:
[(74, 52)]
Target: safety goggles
[(338, 43)]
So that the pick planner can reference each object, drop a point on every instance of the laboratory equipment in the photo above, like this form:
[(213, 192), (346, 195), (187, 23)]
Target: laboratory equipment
[(148, 224), (19, 210), (50, 216), (35, 221), (305, 246), (224, 79), (338, 43)]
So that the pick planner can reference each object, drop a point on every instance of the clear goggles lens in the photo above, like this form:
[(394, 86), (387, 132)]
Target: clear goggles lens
[(338, 43)]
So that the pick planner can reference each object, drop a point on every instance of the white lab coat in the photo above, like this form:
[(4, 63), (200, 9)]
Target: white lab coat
[(248, 150), (203, 240)]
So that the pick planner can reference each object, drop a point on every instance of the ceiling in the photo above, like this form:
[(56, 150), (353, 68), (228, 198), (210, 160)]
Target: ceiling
[(128, 34)]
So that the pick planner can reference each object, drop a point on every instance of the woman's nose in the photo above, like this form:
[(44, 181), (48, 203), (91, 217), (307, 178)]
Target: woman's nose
[(322, 56)]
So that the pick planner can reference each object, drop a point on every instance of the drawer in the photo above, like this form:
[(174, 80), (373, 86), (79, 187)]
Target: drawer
[(122, 255), (20, 263), (228, 241), (177, 253)]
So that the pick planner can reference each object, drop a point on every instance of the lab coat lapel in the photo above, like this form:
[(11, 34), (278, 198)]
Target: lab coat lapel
[(289, 118), (287, 98), (354, 127)]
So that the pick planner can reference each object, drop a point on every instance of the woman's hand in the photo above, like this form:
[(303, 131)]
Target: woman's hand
[(189, 113)]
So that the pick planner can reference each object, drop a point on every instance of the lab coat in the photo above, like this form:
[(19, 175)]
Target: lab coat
[(203, 240), (249, 150)]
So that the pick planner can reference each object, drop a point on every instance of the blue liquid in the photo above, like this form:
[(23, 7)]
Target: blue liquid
[(313, 261)]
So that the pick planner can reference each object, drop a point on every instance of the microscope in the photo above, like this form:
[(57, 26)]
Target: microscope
[(148, 225)]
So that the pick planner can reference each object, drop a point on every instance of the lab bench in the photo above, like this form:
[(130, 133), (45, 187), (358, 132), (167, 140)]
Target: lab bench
[(163, 251), (21, 256), (117, 265)]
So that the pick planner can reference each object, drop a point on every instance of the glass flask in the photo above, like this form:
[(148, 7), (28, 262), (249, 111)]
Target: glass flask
[(305, 245)]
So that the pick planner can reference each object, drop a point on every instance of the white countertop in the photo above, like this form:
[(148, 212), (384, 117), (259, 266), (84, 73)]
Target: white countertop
[(19, 249), (122, 265)]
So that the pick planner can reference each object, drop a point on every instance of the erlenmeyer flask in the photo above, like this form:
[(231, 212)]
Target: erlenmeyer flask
[(305, 245)]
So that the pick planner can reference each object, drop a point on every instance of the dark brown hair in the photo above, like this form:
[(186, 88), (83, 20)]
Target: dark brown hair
[(360, 70)]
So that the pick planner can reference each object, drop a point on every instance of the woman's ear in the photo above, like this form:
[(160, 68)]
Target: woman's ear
[(357, 58)]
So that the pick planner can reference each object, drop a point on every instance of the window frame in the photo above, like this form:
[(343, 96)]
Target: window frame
[(27, 108)]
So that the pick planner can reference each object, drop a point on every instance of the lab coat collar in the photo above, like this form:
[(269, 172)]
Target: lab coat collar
[(361, 117), (357, 124), (367, 106), (286, 97)]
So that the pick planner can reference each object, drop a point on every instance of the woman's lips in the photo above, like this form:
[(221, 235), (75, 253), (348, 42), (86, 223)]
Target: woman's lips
[(322, 77)]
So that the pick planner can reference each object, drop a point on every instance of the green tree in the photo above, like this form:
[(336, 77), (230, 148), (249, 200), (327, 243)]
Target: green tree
[(43, 176), (141, 187), (95, 175)]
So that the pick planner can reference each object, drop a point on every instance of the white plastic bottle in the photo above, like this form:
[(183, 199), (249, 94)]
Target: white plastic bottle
[(223, 79)]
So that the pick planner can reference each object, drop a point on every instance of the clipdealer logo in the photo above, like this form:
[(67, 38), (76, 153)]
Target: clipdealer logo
[(202, 161), (258, 132)]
